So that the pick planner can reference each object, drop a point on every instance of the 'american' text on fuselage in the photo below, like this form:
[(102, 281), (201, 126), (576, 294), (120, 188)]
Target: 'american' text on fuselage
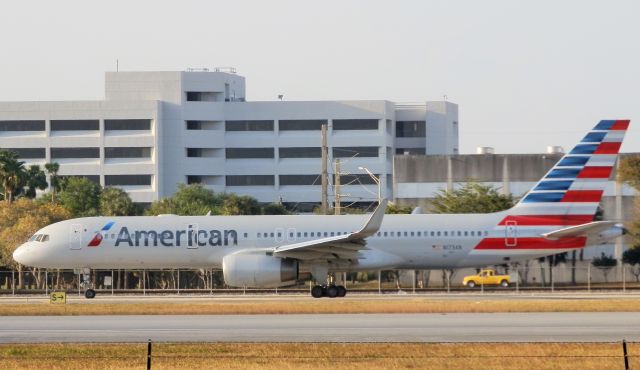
[(168, 238)]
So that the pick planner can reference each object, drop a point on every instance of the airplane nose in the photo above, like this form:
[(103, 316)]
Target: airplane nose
[(21, 255)]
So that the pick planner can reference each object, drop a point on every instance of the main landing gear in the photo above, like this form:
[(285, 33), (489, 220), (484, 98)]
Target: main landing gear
[(330, 290)]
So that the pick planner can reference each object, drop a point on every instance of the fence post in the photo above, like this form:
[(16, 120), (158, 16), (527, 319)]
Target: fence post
[(626, 356), (149, 355), (144, 282), (13, 282), (624, 280), (448, 281), (379, 282), (414, 281), (112, 282), (46, 282), (211, 282), (178, 281), (517, 280)]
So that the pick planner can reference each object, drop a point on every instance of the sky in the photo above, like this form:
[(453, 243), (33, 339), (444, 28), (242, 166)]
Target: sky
[(526, 74)]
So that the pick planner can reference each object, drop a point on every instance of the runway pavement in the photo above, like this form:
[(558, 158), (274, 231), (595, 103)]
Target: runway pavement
[(468, 327)]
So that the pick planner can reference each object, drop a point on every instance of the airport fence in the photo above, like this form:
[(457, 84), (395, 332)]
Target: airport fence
[(538, 277), (503, 355)]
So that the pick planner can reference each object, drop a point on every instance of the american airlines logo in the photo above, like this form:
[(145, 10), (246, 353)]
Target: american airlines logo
[(97, 239), (169, 238)]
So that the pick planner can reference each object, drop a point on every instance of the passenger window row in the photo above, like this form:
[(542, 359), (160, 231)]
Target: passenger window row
[(383, 234)]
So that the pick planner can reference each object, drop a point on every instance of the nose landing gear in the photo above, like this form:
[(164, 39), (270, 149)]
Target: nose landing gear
[(86, 284)]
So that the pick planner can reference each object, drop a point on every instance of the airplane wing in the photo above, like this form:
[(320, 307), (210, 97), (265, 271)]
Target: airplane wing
[(588, 229), (347, 246)]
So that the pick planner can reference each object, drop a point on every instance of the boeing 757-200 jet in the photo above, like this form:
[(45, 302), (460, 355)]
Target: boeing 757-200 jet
[(269, 251)]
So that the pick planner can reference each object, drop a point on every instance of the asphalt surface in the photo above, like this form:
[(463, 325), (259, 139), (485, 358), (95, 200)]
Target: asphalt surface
[(466, 327)]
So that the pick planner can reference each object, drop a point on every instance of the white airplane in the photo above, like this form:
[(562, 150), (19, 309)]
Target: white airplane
[(269, 251)]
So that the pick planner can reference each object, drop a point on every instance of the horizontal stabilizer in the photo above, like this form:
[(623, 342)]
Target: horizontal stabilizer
[(588, 229)]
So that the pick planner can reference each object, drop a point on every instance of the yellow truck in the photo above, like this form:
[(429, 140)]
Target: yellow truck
[(486, 277)]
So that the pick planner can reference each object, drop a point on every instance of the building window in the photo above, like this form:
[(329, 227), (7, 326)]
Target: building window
[(250, 180), (355, 151), (75, 125), (194, 152), (300, 152), (203, 95), (355, 124), (194, 125), (411, 129), (193, 179), (28, 153), (357, 179), (241, 153), (92, 178), (257, 125), (410, 151), (301, 124), (124, 180), (300, 179), (127, 124), (127, 152), (31, 125), (57, 153)]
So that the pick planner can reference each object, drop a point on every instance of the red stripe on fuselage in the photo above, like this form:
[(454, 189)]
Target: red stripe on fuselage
[(608, 147), (532, 243), (593, 172), (582, 196), (620, 125), (548, 220)]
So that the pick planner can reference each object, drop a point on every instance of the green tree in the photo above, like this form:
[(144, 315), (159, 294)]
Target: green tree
[(632, 257), (54, 180), (394, 209), (81, 197), (629, 173), (471, 198), (604, 263), (275, 209), (116, 202), (35, 180), (12, 174), (240, 205), (189, 200)]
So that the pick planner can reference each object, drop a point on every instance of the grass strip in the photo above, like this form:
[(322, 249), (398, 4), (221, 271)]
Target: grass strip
[(320, 355), (324, 306)]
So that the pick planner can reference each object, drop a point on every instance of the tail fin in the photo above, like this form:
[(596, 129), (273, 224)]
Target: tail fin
[(570, 192)]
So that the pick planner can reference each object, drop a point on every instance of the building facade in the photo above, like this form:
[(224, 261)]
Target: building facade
[(155, 130)]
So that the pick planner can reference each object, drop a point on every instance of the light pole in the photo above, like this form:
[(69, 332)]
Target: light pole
[(375, 179)]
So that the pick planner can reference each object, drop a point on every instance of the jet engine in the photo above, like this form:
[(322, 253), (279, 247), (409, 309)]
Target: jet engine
[(259, 270)]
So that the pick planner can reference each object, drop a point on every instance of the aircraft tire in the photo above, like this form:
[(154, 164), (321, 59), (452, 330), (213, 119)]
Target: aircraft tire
[(89, 293), (342, 291), (332, 291), (317, 291)]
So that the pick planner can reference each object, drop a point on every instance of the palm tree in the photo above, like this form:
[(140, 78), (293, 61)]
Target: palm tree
[(36, 180), (52, 169), (12, 174)]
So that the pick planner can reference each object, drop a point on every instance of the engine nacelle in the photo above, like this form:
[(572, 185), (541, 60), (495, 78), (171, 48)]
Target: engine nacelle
[(259, 270)]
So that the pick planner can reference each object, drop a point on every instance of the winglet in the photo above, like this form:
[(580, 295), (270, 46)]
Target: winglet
[(373, 224)]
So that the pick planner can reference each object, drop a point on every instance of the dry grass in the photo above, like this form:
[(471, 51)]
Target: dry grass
[(326, 306), (320, 355)]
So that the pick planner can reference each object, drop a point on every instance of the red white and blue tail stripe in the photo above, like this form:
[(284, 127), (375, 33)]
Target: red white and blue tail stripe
[(568, 195), (574, 186)]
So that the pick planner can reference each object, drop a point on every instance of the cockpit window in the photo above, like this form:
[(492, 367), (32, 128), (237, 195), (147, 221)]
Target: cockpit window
[(39, 238)]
